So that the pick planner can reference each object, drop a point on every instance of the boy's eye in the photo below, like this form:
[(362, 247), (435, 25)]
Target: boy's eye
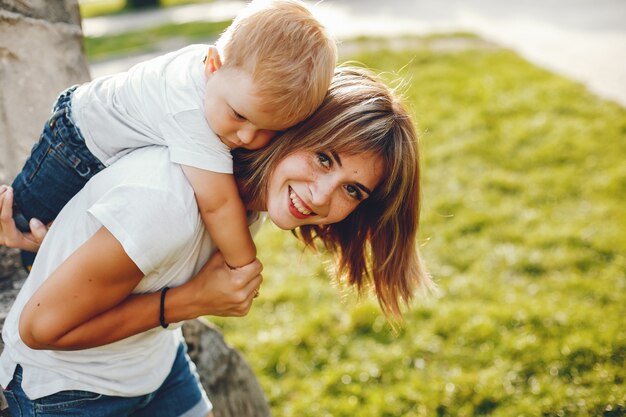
[(354, 192), (238, 116), (324, 160)]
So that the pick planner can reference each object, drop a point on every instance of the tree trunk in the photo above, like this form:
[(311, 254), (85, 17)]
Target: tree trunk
[(41, 53), (227, 378)]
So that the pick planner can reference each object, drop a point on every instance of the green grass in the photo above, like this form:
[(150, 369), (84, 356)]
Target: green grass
[(93, 8), (152, 39), (523, 229)]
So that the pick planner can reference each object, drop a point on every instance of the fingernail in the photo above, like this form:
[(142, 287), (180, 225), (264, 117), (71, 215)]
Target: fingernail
[(35, 223)]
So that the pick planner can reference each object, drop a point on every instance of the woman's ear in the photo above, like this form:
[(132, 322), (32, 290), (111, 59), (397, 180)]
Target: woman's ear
[(212, 61)]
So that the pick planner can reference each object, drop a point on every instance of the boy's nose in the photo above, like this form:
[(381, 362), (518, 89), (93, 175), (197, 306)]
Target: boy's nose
[(246, 135)]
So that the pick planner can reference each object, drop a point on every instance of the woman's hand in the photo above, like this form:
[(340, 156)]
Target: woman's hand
[(218, 290), (9, 234)]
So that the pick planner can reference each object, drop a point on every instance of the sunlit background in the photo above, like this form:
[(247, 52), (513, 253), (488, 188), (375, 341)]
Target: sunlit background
[(520, 106)]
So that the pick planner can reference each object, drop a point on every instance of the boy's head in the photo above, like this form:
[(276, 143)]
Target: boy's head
[(278, 62)]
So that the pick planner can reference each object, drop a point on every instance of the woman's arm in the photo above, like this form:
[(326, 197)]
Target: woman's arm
[(87, 301)]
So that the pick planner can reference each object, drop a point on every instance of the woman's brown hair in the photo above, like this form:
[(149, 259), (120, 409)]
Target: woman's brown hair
[(377, 242)]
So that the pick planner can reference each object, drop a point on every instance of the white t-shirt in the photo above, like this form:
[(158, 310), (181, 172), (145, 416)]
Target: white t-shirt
[(145, 201), (156, 102)]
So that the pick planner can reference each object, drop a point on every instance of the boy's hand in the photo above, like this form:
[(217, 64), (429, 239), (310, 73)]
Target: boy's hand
[(219, 290), (9, 234)]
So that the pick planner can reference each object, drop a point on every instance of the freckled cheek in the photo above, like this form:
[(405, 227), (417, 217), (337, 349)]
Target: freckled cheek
[(340, 210)]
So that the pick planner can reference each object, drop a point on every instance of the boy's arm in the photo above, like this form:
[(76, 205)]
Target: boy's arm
[(87, 301), (223, 214)]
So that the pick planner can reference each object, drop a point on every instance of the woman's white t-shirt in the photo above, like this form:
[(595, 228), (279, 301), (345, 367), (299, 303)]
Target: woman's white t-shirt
[(145, 201), (156, 102)]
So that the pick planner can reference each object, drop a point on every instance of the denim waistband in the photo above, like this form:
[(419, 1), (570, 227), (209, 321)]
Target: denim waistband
[(62, 108), (71, 141)]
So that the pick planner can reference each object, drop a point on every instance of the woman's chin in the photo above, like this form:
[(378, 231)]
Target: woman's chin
[(282, 223)]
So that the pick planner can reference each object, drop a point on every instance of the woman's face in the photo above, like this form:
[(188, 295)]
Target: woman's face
[(309, 188)]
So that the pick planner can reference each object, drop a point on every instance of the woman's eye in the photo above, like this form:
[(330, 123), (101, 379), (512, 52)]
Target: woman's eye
[(354, 192), (324, 160)]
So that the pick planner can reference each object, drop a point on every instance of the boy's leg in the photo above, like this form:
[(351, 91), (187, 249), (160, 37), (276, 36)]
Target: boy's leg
[(28, 259), (59, 166)]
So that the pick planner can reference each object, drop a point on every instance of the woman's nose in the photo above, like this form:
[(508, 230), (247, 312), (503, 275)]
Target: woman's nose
[(321, 194)]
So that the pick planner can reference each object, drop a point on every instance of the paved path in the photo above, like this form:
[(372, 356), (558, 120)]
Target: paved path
[(582, 39)]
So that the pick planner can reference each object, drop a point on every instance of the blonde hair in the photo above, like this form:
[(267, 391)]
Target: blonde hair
[(287, 52), (377, 243)]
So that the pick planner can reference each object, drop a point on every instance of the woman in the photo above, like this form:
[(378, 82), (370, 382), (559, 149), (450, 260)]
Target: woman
[(348, 176)]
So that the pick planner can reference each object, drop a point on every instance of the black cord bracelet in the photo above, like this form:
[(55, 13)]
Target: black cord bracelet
[(162, 308)]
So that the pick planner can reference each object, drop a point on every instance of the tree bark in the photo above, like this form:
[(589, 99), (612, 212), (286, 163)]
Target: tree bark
[(41, 53), (224, 373)]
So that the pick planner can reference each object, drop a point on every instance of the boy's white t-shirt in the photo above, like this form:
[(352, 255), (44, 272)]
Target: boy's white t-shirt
[(145, 201), (156, 102)]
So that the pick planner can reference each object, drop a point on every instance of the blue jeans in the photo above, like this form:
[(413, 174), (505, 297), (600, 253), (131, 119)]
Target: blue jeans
[(180, 395), (58, 167)]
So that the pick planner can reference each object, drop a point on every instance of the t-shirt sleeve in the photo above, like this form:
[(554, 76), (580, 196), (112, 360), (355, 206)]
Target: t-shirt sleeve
[(152, 225), (191, 142)]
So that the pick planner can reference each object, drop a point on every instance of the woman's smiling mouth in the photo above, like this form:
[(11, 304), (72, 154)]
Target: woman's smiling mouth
[(298, 207)]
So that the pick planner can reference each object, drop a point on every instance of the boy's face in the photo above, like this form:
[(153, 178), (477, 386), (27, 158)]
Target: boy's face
[(234, 112)]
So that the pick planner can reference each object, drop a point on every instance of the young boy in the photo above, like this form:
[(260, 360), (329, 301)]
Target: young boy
[(278, 62)]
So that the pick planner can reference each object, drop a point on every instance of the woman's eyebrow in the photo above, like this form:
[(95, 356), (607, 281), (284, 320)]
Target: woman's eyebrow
[(335, 156), (337, 159), (363, 188)]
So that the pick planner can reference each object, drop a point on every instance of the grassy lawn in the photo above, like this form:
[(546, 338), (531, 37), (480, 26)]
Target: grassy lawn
[(523, 229), (93, 8), (152, 39), (146, 40)]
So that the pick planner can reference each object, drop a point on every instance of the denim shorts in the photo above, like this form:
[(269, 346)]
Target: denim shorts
[(58, 167), (180, 395)]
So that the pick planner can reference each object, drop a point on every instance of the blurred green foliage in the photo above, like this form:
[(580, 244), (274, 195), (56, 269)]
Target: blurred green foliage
[(93, 8), (522, 228), (151, 39)]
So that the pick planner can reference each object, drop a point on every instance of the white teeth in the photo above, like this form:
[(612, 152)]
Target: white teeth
[(296, 203)]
